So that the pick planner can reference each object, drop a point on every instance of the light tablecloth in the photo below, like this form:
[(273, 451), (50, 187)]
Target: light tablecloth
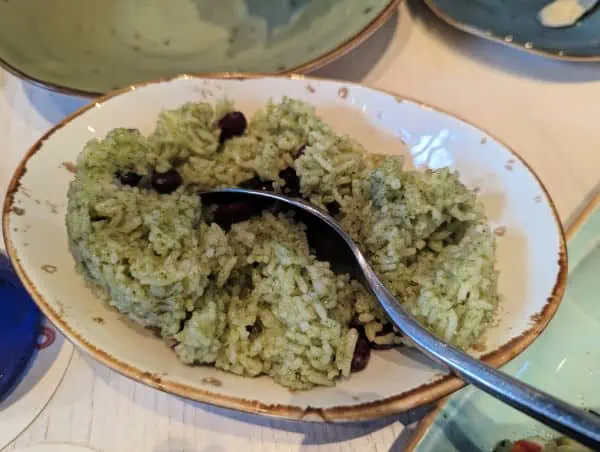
[(547, 110)]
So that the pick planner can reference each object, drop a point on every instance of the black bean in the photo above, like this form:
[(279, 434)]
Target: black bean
[(188, 315), (387, 329), (256, 328), (355, 323), (129, 178), (256, 183), (300, 151), (228, 214), (362, 354), (292, 182), (166, 182), (233, 124), (333, 208), (182, 322)]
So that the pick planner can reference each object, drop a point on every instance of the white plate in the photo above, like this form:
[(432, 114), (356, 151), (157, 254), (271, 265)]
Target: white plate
[(531, 253)]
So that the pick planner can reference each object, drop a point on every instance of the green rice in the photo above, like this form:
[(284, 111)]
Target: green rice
[(253, 300)]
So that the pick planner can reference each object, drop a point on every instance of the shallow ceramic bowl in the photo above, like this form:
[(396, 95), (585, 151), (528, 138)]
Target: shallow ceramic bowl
[(531, 253), (90, 47), (564, 361), (515, 23)]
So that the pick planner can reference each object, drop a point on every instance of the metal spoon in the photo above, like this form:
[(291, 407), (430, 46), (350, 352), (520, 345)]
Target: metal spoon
[(330, 242)]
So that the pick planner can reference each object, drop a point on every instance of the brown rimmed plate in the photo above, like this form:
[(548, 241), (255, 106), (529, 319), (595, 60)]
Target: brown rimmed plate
[(531, 252)]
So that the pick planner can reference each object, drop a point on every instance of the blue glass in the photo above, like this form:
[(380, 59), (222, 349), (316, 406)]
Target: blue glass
[(20, 322)]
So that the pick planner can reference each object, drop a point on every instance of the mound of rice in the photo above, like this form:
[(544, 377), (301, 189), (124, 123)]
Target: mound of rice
[(252, 299)]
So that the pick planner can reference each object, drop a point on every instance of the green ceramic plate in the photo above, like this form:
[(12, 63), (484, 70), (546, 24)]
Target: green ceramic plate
[(516, 23), (564, 360), (90, 47)]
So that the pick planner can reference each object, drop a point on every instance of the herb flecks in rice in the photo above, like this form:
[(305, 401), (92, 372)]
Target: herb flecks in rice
[(252, 299)]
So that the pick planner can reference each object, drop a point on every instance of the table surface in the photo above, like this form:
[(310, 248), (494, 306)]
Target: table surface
[(544, 109)]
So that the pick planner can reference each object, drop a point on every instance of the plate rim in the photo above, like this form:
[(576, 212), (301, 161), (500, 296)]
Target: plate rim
[(422, 395), (424, 425), (475, 30), (316, 63)]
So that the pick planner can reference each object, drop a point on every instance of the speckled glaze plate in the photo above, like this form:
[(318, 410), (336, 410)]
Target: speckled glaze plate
[(564, 361), (90, 47), (531, 251), (516, 23)]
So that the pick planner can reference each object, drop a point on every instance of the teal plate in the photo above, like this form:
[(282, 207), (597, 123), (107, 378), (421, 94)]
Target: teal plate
[(564, 361), (90, 47), (515, 22)]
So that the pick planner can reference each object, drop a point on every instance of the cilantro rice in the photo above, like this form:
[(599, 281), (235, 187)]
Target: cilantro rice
[(245, 294)]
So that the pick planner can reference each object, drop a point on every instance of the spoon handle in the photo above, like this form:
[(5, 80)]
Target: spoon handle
[(561, 416)]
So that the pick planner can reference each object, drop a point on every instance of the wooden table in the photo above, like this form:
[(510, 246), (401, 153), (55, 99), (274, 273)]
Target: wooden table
[(545, 109)]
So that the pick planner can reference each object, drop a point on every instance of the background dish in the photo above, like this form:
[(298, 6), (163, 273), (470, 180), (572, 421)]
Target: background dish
[(89, 48), (560, 362), (30, 389), (531, 254), (20, 323), (517, 24)]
